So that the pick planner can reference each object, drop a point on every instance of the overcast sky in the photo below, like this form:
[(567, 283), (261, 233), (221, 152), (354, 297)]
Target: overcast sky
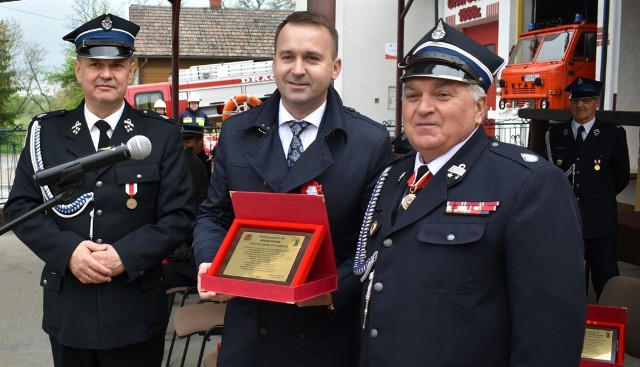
[(45, 21)]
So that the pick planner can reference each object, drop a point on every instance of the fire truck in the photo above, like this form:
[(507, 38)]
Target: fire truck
[(544, 62), (214, 84)]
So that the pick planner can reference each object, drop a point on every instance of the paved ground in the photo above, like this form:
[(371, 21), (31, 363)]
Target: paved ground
[(22, 341)]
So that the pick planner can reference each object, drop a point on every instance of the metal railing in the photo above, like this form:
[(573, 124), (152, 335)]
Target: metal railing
[(11, 143), (514, 131)]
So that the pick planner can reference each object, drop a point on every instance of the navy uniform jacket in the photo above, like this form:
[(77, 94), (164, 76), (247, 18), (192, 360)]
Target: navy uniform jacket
[(348, 154), (132, 307), (601, 172), (496, 290)]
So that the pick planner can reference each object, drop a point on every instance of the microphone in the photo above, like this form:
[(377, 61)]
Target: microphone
[(138, 147)]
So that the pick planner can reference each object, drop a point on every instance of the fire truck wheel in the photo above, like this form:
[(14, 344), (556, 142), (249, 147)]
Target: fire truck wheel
[(239, 103)]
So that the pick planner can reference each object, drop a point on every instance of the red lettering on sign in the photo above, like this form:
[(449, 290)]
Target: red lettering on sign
[(455, 3), (472, 12), (258, 79)]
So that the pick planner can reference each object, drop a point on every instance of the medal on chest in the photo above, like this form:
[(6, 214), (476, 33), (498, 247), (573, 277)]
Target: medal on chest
[(131, 189), (416, 182)]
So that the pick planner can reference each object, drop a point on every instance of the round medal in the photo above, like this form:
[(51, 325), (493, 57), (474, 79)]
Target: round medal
[(597, 167), (132, 203)]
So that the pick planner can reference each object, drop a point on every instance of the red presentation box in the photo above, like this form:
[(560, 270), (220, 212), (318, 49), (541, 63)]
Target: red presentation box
[(609, 318), (315, 273)]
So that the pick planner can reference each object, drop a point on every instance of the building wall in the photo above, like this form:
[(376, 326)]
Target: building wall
[(152, 70), (628, 74), (368, 79), (369, 74)]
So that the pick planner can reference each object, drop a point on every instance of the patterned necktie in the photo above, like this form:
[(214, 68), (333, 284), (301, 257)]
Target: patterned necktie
[(103, 126), (295, 148)]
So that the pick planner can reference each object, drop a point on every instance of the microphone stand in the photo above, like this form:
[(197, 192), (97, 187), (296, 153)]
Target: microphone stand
[(68, 182)]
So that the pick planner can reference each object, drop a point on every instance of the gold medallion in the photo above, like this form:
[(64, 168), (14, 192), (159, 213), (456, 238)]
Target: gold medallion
[(597, 167), (407, 200), (132, 203)]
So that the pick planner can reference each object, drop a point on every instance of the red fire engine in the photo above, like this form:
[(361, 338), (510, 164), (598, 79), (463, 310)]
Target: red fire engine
[(214, 84), (544, 62)]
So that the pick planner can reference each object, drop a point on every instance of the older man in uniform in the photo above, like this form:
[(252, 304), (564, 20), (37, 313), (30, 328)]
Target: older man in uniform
[(595, 158), (470, 250), (104, 297)]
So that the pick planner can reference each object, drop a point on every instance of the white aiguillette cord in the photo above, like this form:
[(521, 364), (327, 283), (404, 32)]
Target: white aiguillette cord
[(361, 265)]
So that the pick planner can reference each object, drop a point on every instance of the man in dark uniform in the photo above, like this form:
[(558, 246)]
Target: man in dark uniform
[(180, 268), (470, 251), (595, 158), (340, 150), (104, 297), (193, 139)]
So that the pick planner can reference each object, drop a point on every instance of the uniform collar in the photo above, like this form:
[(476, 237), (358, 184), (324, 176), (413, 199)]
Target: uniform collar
[(112, 119), (436, 164), (332, 119), (587, 126), (314, 118)]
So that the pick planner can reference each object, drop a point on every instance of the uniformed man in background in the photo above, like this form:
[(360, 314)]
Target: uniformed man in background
[(193, 140), (470, 251), (193, 115), (595, 158), (104, 297)]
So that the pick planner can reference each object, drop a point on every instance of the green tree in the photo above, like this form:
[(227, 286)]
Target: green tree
[(7, 74), (70, 93)]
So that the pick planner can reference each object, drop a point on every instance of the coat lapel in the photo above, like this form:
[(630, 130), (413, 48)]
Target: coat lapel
[(125, 129), (425, 202), (77, 133), (436, 191), (267, 156)]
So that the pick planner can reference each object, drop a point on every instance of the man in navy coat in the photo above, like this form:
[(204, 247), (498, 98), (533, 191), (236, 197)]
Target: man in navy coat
[(104, 297), (470, 251), (595, 158), (263, 150)]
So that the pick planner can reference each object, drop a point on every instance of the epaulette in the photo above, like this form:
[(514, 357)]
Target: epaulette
[(155, 115), (400, 157), (47, 115), (357, 115), (350, 109), (518, 154), (401, 144)]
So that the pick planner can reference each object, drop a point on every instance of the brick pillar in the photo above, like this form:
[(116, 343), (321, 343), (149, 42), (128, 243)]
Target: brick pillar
[(215, 4)]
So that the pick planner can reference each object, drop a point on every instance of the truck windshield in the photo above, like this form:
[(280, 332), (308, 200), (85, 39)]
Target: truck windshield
[(554, 46), (524, 50)]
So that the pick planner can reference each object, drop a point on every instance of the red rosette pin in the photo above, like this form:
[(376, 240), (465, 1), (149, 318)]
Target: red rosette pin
[(311, 188)]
